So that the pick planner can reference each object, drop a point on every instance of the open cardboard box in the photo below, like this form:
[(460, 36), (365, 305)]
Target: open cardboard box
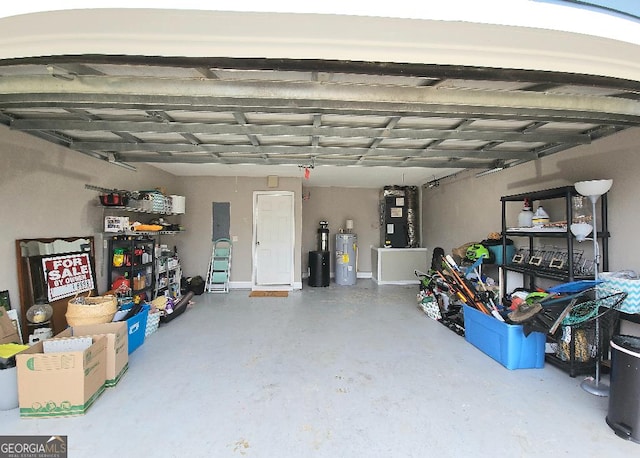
[(8, 332), (60, 384), (117, 346)]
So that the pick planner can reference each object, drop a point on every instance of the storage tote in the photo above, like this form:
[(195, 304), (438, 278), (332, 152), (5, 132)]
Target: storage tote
[(631, 304), (505, 343), (137, 326)]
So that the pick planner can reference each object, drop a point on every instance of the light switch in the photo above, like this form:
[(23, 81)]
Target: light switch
[(234, 238)]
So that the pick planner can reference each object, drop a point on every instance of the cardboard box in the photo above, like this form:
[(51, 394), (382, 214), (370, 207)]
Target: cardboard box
[(117, 346), (116, 223), (631, 303), (506, 343), (8, 331), (60, 384)]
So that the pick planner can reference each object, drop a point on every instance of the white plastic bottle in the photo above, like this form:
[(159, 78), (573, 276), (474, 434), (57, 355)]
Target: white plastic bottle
[(525, 217), (540, 218)]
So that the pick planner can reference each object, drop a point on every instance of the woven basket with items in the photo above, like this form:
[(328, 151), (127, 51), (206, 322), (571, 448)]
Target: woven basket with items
[(91, 310)]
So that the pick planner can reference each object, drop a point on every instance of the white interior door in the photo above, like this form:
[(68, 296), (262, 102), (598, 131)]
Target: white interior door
[(273, 238)]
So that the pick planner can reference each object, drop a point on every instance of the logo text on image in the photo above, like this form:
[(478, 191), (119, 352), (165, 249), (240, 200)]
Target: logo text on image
[(33, 446)]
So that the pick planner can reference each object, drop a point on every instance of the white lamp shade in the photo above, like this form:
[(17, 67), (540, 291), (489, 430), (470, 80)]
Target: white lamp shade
[(593, 187), (581, 230)]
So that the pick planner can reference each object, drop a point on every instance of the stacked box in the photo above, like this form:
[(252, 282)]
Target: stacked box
[(63, 383), (631, 304), (117, 346)]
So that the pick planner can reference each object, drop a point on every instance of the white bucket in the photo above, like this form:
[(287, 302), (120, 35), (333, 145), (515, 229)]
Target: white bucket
[(8, 388), (178, 204)]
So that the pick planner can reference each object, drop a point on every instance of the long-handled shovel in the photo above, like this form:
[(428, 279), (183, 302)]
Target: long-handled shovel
[(466, 289), (493, 309)]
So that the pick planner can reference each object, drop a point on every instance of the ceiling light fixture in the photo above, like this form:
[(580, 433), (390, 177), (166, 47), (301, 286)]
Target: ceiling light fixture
[(433, 183), (112, 160), (497, 166), (489, 172), (56, 73)]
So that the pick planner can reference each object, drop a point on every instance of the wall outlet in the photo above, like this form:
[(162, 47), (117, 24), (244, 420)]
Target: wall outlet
[(234, 238)]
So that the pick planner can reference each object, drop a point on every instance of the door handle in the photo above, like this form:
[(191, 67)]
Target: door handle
[(257, 243)]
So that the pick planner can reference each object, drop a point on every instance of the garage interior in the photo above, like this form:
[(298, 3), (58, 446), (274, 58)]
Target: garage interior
[(336, 107)]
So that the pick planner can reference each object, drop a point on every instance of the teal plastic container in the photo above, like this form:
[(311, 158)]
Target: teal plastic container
[(497, 252)]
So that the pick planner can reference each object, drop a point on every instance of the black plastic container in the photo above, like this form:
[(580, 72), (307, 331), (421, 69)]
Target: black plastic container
[(624, 393), (319, 273)]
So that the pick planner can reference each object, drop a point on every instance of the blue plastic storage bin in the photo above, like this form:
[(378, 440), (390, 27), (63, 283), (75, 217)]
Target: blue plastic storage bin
[(137, 326), (506, 343)]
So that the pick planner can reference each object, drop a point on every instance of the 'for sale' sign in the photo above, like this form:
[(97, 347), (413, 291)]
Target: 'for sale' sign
[(67, 275)]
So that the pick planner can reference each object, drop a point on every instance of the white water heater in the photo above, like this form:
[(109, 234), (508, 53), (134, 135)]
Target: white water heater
[(345, 265)]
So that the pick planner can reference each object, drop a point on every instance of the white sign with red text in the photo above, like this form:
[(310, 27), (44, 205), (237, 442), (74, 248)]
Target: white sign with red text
[(67, 275)]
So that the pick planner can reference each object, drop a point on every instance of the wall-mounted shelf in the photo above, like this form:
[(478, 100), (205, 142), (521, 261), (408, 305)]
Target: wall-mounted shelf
[(136, 210), (147, 233)]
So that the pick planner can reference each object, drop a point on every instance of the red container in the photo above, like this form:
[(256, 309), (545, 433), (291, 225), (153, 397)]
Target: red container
[(114, 199)]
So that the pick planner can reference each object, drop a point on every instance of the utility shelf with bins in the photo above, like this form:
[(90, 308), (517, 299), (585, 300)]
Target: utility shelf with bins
[(561, 264), (168, 274), (132, 258), (138, 255)]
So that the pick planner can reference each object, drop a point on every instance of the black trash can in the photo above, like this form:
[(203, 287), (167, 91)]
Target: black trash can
[(624, 392), (319, 273)]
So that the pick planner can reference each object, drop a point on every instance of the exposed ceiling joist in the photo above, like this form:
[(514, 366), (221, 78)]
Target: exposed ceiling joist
[(282, 112), (302, 130)]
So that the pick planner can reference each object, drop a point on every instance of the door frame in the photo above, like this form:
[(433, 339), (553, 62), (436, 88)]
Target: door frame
[(254, 260)]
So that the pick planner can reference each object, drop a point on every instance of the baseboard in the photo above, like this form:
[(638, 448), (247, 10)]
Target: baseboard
[(239, 285), (397, 282), (358, 275), (249, 285)]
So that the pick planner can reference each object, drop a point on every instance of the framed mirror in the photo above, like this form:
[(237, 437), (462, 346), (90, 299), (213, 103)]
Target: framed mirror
[(52, 270)]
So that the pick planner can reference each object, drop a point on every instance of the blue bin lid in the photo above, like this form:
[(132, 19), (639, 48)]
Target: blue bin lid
[(574, 286)]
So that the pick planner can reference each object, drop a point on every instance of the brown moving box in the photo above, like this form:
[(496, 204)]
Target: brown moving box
[(63, 383), (117, 346), (8, 333)]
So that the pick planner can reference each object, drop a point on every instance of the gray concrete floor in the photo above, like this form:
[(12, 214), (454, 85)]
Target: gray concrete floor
[(343, 371)]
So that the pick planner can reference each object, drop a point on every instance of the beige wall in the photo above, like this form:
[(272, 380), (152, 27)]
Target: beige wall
[(329, 203), (43, 195), (336, 205), (195, 245), (466, 208)]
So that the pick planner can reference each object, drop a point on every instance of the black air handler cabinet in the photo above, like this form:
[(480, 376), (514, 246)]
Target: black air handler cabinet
[(398, 217)]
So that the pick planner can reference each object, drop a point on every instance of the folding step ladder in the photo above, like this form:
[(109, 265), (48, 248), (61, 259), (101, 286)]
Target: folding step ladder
[(219, 267)]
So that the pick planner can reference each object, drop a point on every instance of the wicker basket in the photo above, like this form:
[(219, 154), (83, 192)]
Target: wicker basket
[(91, 310)]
